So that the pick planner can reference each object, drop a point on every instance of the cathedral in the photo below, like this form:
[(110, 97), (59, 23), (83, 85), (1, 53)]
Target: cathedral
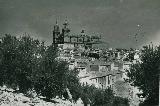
[(64, 36)]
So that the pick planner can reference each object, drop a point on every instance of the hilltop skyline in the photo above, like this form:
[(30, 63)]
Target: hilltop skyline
[(122, 23)]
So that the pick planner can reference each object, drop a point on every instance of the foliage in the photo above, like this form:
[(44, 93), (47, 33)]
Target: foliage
[(73, 84), (17, 62), (99, 97), (53, 76), (28, 64), (145, 74)]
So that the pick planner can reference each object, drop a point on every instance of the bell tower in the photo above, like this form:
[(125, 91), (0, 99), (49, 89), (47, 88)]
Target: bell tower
[(65, 31), (65, 27), (56, 33)]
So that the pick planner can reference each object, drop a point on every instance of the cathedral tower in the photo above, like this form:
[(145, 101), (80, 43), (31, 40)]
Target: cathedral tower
[(65, 32), (56, 34)]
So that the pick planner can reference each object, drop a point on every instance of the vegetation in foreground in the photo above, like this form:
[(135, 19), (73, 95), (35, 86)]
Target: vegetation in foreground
[(145, 75), (27, 64)]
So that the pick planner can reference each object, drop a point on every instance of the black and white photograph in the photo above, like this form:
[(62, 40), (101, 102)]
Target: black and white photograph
[(79, 52)]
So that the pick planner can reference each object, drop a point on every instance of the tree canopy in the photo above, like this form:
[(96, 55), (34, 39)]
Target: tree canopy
[(27, 63), (145, 74)]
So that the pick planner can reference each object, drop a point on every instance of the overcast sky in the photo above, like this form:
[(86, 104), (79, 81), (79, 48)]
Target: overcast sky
[(118, 21)]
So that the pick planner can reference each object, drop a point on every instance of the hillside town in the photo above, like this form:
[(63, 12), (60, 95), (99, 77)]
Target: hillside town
[(101, 67), (79, 52), (73, 71)]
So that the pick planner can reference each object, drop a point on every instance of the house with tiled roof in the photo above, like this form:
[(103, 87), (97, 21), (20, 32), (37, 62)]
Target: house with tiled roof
[(106, 79)]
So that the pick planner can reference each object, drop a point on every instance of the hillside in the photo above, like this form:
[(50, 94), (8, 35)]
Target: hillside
[(10, 98)]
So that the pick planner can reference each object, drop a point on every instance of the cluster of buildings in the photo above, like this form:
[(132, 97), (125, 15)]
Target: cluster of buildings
[(103, 68)]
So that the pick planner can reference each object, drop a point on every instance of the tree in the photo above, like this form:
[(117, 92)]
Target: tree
[(18, 61), (145, 74), (27, 54), (53, 77), (96, 97), (9, 61), (72, 83), (28, 64)]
